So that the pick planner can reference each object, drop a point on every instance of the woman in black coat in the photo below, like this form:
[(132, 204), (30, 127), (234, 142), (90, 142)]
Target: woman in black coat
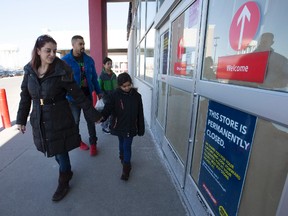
[(127, 118), (47, 80)]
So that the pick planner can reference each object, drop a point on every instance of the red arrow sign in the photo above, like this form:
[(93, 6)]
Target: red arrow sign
[(244, 25)]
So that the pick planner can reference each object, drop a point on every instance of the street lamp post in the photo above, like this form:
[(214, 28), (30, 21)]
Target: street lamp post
[(215, 47)]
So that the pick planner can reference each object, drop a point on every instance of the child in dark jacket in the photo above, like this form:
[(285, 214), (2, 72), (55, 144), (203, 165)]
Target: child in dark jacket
[(127, 118)]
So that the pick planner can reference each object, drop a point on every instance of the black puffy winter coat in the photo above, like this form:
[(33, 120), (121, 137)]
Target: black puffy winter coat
[(53, 125), (126, 110)]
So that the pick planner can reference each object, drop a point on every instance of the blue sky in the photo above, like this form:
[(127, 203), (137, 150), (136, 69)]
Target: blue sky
[(22, 21)]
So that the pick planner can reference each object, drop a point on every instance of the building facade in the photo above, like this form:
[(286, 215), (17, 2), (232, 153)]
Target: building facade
[(214, 80), (9, 57)]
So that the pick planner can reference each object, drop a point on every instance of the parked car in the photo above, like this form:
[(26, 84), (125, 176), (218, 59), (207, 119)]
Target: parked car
[(19, 73), (3, 73)]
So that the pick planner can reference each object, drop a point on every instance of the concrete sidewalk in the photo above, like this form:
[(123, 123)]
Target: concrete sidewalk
[(28, 179)]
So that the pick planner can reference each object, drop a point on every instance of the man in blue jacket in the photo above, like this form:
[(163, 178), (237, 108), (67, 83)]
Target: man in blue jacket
[(86, 77)]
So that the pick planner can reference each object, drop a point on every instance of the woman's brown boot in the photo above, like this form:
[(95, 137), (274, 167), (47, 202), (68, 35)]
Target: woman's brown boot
[(63, 185)]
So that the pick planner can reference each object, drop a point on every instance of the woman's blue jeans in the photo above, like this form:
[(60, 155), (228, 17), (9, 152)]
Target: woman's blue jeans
[(64, 162), (125, 148)]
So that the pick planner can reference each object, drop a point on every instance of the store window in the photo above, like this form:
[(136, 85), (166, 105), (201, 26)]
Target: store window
[(178, 126), (151, 12), (147, 40), (137, 72), (244, 46), (149, 55), (164, 43), (160, 2), (162, 86), (185, 31), (162, 89), (138, 36), (146, 61), (266, 169), (142, 60), (143, 18)]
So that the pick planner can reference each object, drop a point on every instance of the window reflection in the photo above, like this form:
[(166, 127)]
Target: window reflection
[(160, 2), (164, 52), (142, 59), (151, 11), (137, 72), (161, 103), (138, 24), (143, 18), (185, 33), (178, 126), (277, 71), (150, 44), (220, 47), (147, 40)]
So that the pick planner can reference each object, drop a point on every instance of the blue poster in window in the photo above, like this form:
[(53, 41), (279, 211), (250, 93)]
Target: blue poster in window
[(226, 150)]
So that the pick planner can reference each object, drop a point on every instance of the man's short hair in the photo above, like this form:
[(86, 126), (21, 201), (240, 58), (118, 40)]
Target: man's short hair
[(76, 37)]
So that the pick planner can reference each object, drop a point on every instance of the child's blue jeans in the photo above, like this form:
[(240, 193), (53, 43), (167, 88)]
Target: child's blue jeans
[(125, 148)]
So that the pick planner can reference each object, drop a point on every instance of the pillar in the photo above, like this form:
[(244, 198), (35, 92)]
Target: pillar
[(98, 31)]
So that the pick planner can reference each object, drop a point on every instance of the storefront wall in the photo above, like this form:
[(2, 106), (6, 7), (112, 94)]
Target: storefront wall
[(214, 78)]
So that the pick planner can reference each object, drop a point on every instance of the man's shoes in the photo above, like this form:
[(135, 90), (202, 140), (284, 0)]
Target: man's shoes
[(107, 131), (84, 146), (93, 150)]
